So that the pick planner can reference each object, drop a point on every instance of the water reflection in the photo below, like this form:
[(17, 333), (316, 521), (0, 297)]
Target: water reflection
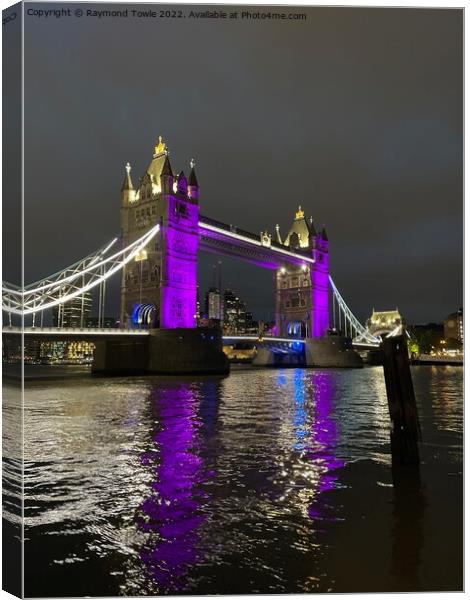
[(315, 439), (266, 481), (324, 430), (171, 515)]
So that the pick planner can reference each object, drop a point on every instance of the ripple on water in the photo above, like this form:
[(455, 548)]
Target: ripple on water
[(207, 485)]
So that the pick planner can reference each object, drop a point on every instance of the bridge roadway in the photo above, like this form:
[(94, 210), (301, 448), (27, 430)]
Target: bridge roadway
[(229, 240), (95, 333), (89, 334)]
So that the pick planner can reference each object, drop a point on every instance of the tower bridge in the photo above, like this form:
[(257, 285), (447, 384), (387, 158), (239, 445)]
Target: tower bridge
[(156, 254)]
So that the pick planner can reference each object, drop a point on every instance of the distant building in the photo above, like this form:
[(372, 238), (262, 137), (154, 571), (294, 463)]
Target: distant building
[(235, 315), (453, 326), (57, 352), (214, 305), (73, 313), (384, 322), (251, 325)]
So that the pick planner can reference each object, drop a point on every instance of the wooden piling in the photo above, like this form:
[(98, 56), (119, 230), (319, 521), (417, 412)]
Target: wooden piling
[(405, 430)]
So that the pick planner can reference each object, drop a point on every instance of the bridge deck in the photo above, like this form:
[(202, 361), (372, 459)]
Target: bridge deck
[(95, 332), (232, 241)]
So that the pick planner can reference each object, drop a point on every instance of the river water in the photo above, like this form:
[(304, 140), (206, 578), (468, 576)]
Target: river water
[(269, 481)]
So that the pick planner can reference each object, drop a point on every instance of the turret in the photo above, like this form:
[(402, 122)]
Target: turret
[(127, 189), (300, 234), (160, 169), (182, 184), (193, 186)]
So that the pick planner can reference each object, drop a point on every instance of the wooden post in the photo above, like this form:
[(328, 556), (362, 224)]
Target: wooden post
[(405, 430)]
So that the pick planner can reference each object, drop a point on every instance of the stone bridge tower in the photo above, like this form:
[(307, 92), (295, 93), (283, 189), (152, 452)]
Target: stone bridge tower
[(302, 293), (159, 288)]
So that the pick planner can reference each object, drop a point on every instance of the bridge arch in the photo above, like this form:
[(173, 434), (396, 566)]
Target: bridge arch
[(297, 329), (144, 315)]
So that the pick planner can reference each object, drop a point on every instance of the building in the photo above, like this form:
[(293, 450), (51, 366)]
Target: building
[(384, 322), (302, 307), (60, 352), (159, 287), (214, 305), (235, 314), (73, 313), (453, 326)]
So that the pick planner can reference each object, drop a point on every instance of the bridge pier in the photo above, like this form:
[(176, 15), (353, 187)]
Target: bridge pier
[(265, 357), (165, 351), (331, 351)]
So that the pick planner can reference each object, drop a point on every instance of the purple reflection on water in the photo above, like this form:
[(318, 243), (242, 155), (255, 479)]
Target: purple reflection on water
[(324, 430), (320, 438), (171, 515)]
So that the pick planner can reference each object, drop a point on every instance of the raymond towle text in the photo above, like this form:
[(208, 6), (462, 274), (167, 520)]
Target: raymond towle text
[(165, 13)]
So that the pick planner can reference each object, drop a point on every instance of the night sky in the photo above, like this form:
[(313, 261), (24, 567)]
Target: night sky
[(356, 114)]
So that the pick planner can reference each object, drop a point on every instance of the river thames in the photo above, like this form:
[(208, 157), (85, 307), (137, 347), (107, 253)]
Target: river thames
[(269, 481)]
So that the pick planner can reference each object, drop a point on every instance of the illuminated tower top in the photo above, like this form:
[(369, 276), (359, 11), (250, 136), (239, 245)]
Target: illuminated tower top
[(127, 188), (160, 165), (301, 233), (127, 183)]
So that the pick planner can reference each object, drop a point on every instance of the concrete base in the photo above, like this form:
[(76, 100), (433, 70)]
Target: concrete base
[(121, 357), (178, 351), (165, 351), (267, 358), (331, 351)]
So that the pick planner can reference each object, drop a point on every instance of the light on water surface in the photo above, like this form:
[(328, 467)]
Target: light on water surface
[(252, 483)]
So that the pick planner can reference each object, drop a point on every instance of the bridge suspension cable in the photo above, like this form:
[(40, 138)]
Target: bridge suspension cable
[(346, 318), (72, 281)]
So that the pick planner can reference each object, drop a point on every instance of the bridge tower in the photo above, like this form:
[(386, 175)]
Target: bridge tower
[(302, 293), (159, 288)]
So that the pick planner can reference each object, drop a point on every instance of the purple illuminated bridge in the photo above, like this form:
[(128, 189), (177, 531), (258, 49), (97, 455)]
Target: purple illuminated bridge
[(156, 255)]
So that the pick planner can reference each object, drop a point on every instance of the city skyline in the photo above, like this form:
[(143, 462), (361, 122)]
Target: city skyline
[(363, 131)]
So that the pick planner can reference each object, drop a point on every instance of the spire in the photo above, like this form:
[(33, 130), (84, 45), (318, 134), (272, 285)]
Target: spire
[(182, 183), (127, 183), (324, 236), (166, 168), (278, 234), (193, 186), (160, 148), (313, 231), (301, 229), (192, 176)]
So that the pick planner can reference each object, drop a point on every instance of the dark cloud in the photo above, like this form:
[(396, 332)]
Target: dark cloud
[(355, 113)]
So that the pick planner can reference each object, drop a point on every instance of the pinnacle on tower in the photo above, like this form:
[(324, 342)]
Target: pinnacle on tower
[(192, 176), (182, 183), (160, 148), (313, 231), (127, 184), (166, 168), (323, 234)]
